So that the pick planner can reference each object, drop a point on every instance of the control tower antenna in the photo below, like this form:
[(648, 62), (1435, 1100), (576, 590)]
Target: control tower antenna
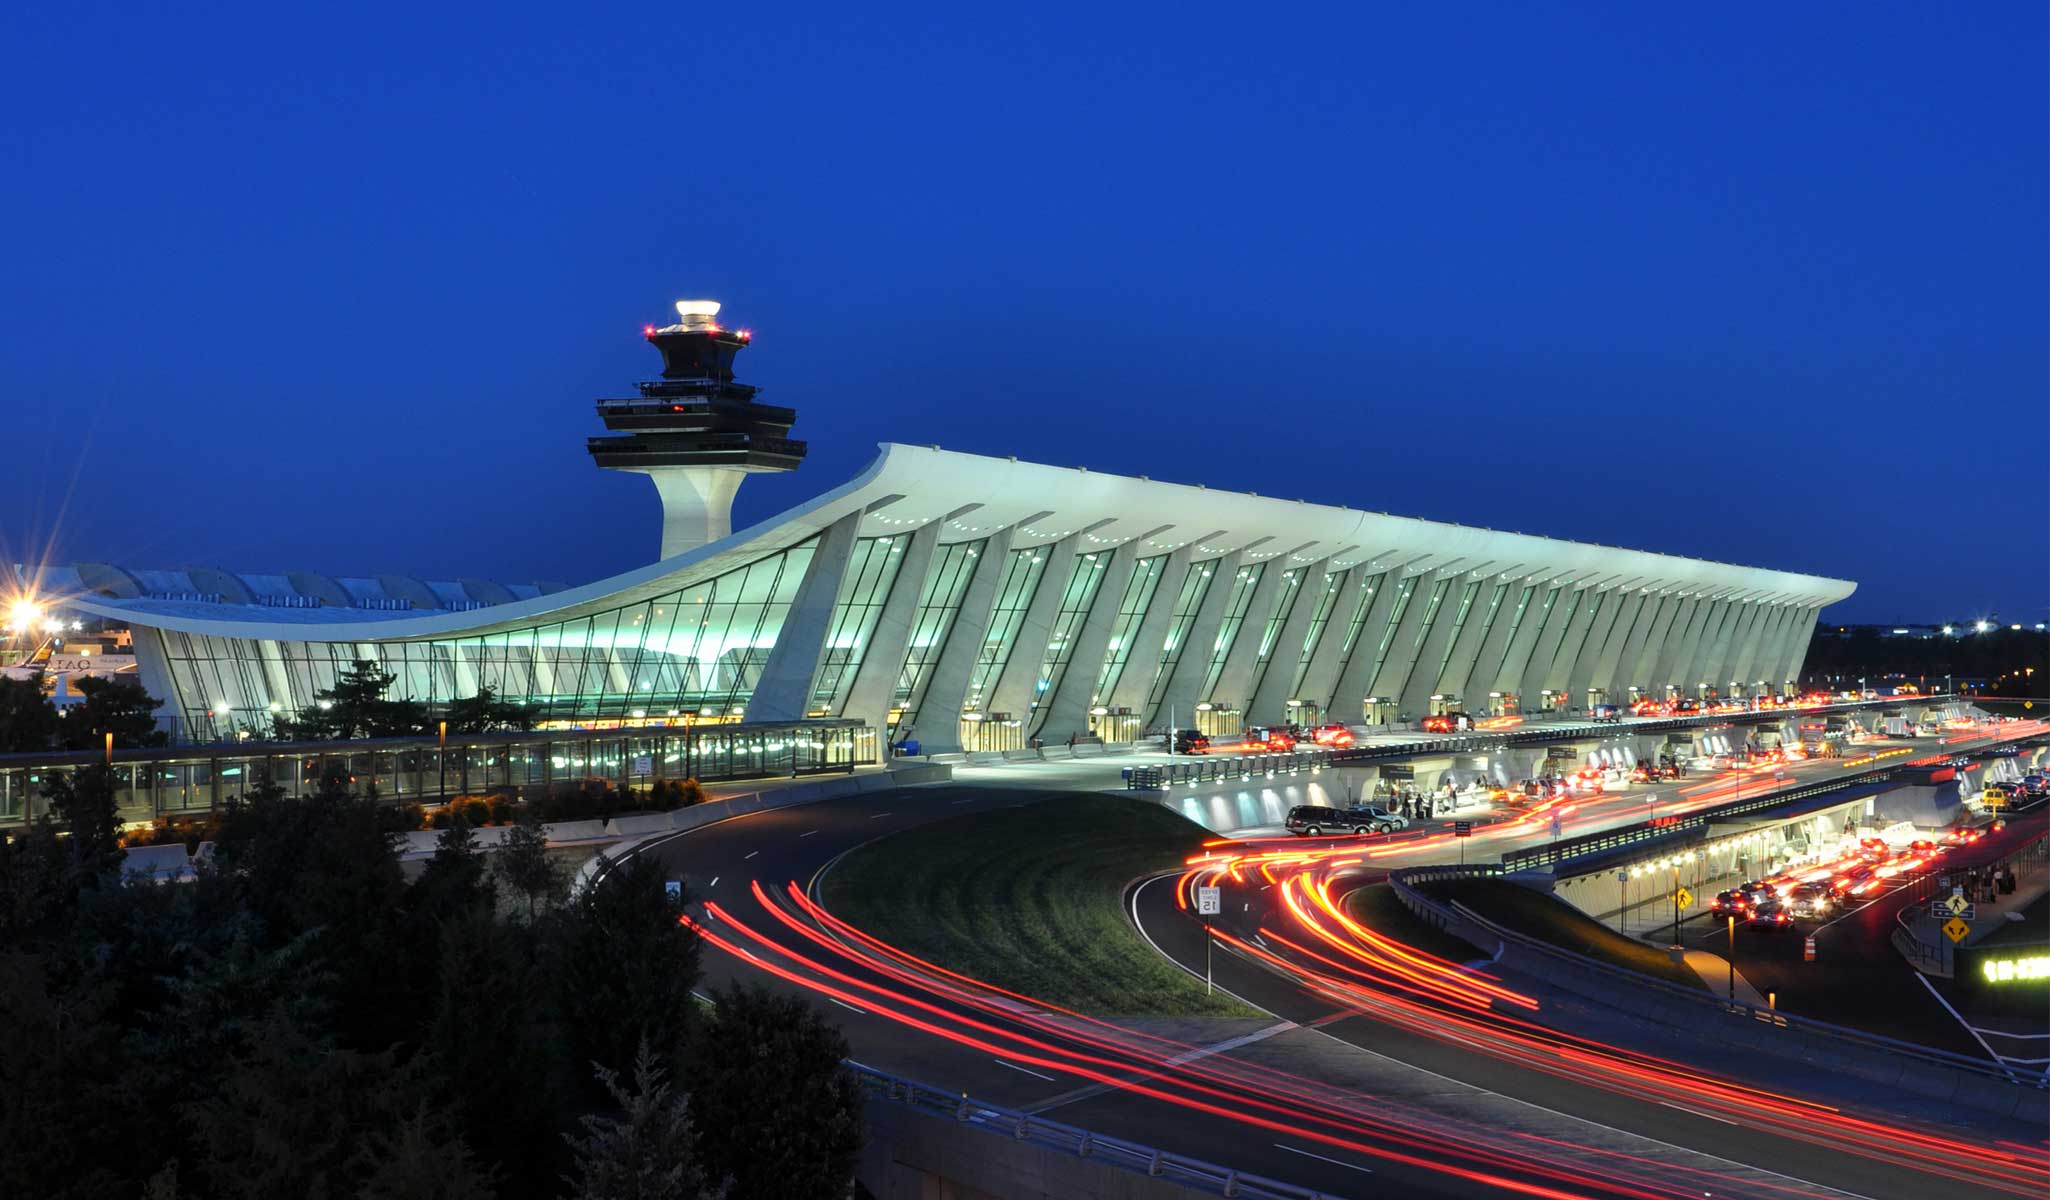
[(694, 431)]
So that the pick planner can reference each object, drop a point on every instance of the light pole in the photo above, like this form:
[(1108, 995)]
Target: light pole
[(1733, 955), (442, 758)]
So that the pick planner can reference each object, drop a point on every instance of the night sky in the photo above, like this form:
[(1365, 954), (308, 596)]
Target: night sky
[(335, 289)]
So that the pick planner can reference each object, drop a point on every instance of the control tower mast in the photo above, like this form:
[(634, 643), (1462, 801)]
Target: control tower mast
[(694, 431)]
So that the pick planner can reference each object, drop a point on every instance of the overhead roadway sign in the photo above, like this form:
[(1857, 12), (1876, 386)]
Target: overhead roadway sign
[(1956, 930)]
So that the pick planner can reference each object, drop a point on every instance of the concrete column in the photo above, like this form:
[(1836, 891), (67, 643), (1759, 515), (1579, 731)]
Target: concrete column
[(1327, 657), (784, 690), (1200, 642), (1531, 681), (1142, 661), (1067, 708), (1710, 664), (1740, 633), (939, 721), (1235, 681), (1797, 644), (1580, 676), (1559, 670), (1515, 661), (1753, 641), (1637, 659), (1671, 663), (1422, 678), (1351, 676), (1772, 664), (1014, 690), (1707, 615), (1270, 698), (882, 660), (1490, 604), (1388, 678)]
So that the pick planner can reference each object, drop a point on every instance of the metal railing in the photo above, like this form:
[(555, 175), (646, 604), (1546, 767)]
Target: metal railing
[(1197, 770), (1080, 1143)]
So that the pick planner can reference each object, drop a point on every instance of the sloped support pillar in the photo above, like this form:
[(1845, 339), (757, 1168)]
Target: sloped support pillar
[(785, 686)]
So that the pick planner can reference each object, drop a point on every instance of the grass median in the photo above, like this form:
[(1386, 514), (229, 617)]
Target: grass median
[(1031, 898)]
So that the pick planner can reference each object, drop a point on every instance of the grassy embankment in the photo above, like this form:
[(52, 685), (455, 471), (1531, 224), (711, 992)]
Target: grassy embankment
[(1031, 899), (1547, 918)]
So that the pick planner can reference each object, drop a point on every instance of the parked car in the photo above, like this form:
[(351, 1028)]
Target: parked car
[(1316, 820), (1447, 723), (1190, 741)]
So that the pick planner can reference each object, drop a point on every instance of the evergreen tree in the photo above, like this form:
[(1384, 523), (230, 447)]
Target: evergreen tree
[(456, 878), (524, 863), (115, 705), (28, 721), (418, 1159), (648, 1151), (624, 966), (782, 1112), (82, 803), (486, 713)]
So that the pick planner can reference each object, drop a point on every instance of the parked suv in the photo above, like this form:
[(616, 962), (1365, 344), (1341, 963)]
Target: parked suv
[(1316, 820)]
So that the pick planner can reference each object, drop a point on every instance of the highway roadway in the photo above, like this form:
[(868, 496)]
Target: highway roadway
[(1377, 1086)]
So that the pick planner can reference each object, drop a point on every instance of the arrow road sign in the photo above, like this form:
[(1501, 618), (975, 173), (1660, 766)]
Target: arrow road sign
[(1956, 930)]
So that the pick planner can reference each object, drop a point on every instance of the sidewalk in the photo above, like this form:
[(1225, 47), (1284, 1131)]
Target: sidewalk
[(1714, 970)]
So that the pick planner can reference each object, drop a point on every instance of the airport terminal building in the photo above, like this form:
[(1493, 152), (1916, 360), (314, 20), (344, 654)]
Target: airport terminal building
[(970, 603)]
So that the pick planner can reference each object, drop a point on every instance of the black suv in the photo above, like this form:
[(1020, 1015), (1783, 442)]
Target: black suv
[(1315, 820), (1190, 741)]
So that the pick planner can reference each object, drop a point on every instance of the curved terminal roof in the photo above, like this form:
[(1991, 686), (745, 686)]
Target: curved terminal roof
[(971, 496)]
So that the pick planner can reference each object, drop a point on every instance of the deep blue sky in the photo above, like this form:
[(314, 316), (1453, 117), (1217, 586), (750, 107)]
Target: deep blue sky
[(335, 289)]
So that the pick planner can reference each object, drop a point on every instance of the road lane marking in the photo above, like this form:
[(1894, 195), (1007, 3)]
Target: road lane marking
[(969, 800), (1336, 1162), (1258, 1035), (848, 1007), (750, 854), (1694, 1112), (1015, 1067), (807, 833), (714, 883), (877, 816)]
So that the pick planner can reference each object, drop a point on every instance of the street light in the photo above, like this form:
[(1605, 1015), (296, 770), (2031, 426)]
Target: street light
[(1732, 919)]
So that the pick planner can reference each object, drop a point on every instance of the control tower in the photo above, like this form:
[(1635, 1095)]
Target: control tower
[(694, 431)]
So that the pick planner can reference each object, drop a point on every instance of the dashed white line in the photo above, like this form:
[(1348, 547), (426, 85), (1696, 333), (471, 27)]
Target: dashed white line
[(847, 1006), (807, 833), (969, 800), (1015, 1067), (1694, 1112), (877, 816), (750, 854), (1336, 1162), (714, 883)]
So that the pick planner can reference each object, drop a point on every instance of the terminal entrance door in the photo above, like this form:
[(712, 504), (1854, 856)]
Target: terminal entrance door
[(1445, 703), (1119, 726), (1215, 720), (1551, 701), (987, 732), (1305, 712), (1377, 710), (1596, 695), (1504, 704)]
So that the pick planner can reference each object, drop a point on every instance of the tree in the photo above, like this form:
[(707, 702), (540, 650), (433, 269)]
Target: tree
[(783, 1113), (356, 707), (524, 863), (419, 1160), (83, 804), (495, 1065), (115, 705), (455, 879), (486, 713), (648, 1151), (624, 966), (28, 721)]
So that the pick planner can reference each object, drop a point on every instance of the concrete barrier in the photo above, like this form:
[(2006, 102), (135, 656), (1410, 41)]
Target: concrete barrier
[(157, 862)]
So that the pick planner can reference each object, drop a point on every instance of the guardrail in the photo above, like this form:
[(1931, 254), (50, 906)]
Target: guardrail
[(1447, 916), (1552, 854), (1079, 1143), (1197, 770)]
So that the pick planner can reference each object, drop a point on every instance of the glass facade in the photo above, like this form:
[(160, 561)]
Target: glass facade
[(1014, 596), (1291, 584), (1243, 583), (698, 650), (1458, 624), (1195, 585), (938, 604), (871, 572), (149, 784), (1131, 611), (1084, 582)]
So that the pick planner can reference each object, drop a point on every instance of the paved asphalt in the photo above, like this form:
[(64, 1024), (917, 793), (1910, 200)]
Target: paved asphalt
[(1396, 1086)]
